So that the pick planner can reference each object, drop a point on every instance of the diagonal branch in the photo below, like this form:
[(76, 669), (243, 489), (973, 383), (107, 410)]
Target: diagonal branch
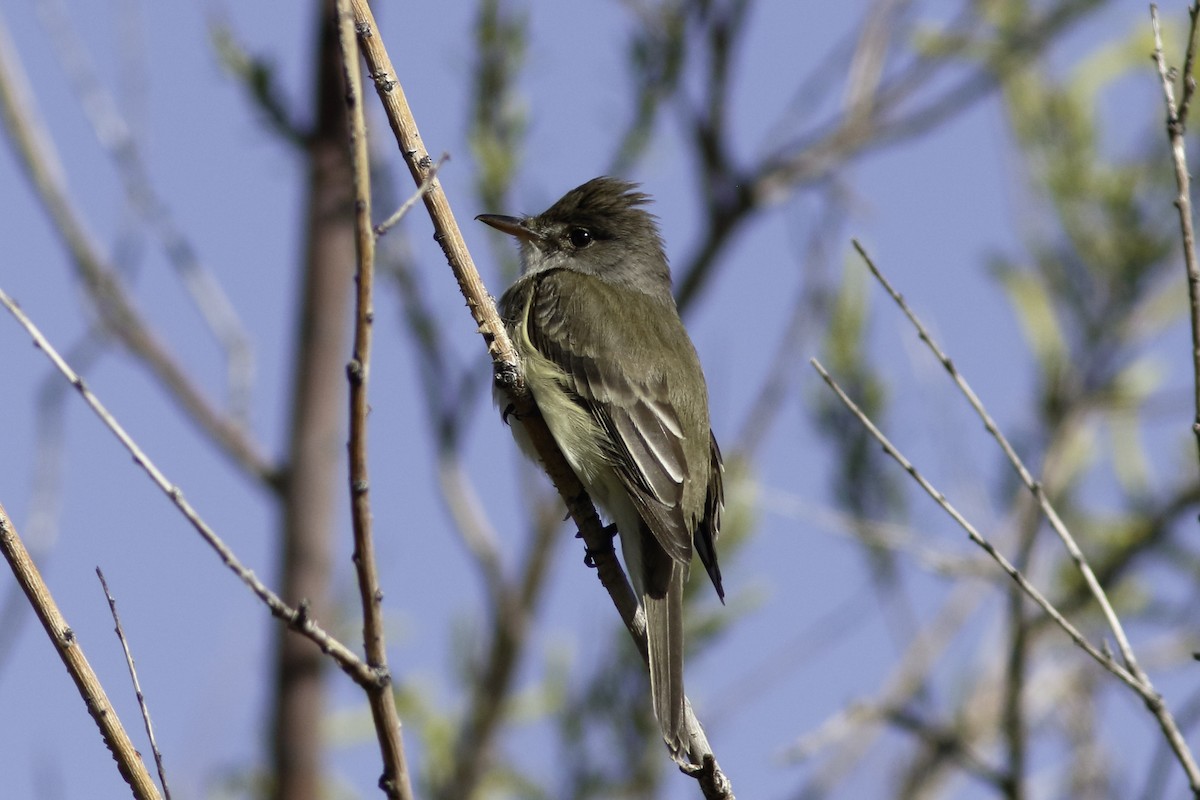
[(1102, 658), (1143, 687), (296, 619), (130, 764), (137, 686)]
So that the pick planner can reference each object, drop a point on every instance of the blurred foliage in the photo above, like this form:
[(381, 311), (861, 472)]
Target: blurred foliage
[(260, 80), (1091, 289)]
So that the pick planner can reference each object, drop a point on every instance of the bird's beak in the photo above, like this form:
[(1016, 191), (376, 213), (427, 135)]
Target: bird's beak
[(513, 226)]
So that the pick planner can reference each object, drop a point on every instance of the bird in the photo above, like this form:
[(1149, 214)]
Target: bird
[(612, 370)]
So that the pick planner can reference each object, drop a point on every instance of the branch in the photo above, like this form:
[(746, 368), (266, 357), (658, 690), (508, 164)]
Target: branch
[(395, 780), (1176, 126), (297, 619), (137, 686), (508, 372), (900, 109), (129, 763), (1142, 684), (1103, 659)]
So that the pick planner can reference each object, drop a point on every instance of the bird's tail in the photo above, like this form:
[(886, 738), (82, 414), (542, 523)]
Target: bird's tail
[(664, 635)]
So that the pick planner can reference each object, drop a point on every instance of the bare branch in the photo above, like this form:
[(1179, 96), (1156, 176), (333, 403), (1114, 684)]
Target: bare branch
[(1143, 686), (1102, 658), (137, 686), (395, 780), (389, 223), (1176, 127), (130, 764), (297, 619)]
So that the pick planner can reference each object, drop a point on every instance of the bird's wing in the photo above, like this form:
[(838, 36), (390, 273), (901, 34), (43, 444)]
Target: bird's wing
[(709, 526), (629, 398)]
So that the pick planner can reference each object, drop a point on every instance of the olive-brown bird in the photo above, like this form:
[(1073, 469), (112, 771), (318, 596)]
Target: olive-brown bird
[(616, 377)]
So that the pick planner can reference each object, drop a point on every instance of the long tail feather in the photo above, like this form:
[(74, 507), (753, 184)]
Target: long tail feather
[(664, 633)]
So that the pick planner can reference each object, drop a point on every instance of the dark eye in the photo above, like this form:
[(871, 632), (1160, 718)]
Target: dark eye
[(580, 237)]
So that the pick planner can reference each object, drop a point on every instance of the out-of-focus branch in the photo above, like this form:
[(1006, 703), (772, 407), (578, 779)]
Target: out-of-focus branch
[(116, 136), (41, 524), (130, 764), (1142, 684), (258, 78), (810, 310), (36, 155), (513, 604), (395, 780), (297, 619), (1077, 637), (1131, 673), (878, 113), (483, 310), (1177, 113), (907, 678), (137, 686)]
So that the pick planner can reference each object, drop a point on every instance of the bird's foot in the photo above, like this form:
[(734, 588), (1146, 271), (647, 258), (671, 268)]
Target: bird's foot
[(589, 554)]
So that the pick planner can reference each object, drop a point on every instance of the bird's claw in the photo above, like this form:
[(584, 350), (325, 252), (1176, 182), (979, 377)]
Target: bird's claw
[(589, 554)]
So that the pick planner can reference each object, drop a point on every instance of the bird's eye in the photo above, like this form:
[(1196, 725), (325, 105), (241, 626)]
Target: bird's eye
[(580, 237)]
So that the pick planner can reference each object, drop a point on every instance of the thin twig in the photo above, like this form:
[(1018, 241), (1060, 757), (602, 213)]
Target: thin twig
[(389, 223), (508, 370), (395, 780), (1176, 126), (297, 619), (137, 686), (1144, 686), (1034, 486), (130, 764), (1102, 658)]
